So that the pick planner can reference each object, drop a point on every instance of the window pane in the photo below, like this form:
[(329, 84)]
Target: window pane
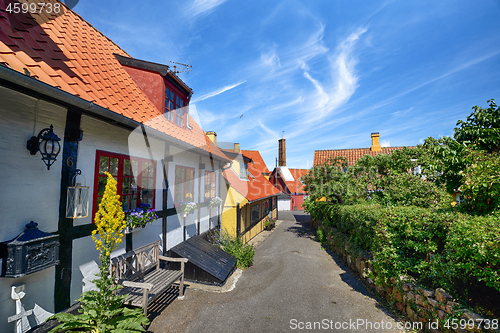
[(135, 167), (113, 167), (255, 213), (151, 170), (126, 185), (126, 203), (126, 168), (103, 164), (101, 185), (144, 171), (133, 203)]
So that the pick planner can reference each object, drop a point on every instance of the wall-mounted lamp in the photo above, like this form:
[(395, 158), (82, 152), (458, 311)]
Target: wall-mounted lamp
[(77, 204), (47, 142)]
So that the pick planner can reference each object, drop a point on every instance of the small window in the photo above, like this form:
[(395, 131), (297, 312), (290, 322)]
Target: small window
[(184, 184), (265, 208), (135, 179), (210, 185), (174, 107), (255, 213)]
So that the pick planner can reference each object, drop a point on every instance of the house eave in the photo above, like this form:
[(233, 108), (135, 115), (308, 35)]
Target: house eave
[(20, 82)]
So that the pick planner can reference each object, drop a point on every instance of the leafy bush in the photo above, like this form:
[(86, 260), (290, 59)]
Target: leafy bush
[(440, 248), (411, 190), (481, 187), (320, 235), (472, 251), (244, 253), (358, 222), (406, 238)]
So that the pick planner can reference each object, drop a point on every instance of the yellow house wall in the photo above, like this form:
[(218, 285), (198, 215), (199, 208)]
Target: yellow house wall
[(229, 217), (257, 228)]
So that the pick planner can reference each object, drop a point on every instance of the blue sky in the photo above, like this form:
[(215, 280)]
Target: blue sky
[(327, 73)]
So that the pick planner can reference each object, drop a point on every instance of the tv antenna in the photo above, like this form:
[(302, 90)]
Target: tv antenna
[(180, 67)]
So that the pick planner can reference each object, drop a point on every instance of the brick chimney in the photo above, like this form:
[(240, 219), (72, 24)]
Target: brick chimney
[(212, 136), (375, 142), (237, 147), (282, 153)]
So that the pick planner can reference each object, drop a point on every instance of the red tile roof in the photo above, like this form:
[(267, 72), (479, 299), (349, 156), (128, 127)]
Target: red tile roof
[(257, 186), (258, 165), (68, 53), (352, 155), (296, 186)]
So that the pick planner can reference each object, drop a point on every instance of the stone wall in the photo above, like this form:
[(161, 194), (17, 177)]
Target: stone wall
[(437, 310)]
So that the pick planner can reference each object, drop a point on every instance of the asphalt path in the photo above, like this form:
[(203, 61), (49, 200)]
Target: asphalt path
[(294, 285)]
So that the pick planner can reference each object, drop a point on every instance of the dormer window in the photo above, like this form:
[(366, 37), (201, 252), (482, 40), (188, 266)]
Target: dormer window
[(243, 170), (174, 107)]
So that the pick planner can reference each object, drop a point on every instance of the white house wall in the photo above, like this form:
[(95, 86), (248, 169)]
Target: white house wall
[(28, 191)]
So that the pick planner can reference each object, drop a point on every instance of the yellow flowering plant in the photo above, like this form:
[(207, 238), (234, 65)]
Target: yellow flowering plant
[(102, 309)]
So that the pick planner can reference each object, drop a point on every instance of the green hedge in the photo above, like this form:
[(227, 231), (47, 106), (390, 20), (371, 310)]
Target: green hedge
[(439, 248)]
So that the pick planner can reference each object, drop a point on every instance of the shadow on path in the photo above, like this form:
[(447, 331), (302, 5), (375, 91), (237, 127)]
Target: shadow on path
[(351, 278), (302, 227)]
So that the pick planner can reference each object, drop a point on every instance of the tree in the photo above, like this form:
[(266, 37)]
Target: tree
[(482, 128)]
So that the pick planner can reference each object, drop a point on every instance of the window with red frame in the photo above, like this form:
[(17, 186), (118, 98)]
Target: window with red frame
[(174, 105), (184, 184), (135, 179), (209, 185)]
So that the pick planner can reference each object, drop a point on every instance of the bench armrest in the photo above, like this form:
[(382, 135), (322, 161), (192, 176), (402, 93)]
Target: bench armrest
[(184, 260), (142, 285)]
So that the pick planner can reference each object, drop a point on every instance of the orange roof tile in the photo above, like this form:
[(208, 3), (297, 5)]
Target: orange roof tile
[(296, 186), (352, 155), (69, 53)]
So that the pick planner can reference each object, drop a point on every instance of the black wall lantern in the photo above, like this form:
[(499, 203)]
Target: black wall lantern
[(47, 142)]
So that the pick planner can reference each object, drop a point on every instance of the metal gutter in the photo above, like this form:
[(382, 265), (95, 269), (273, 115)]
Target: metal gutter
[(269, 196)]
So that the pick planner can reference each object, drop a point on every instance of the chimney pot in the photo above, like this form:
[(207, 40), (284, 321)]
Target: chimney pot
[(375, 142), (212, 136), (282, 153)]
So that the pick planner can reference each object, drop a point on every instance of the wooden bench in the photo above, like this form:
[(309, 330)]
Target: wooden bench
[(143, 279)]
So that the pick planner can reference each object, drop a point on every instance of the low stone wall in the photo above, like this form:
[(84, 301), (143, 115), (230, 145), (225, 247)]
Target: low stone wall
[(435, 309)]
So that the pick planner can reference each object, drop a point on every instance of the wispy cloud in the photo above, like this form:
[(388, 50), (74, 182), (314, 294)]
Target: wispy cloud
[(457, 69), (217, 92), (332, 94), (202, 7)]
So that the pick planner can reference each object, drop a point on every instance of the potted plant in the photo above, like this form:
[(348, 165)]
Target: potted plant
[(187, 208), (140, 217), (214, 202), (269, 224)]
